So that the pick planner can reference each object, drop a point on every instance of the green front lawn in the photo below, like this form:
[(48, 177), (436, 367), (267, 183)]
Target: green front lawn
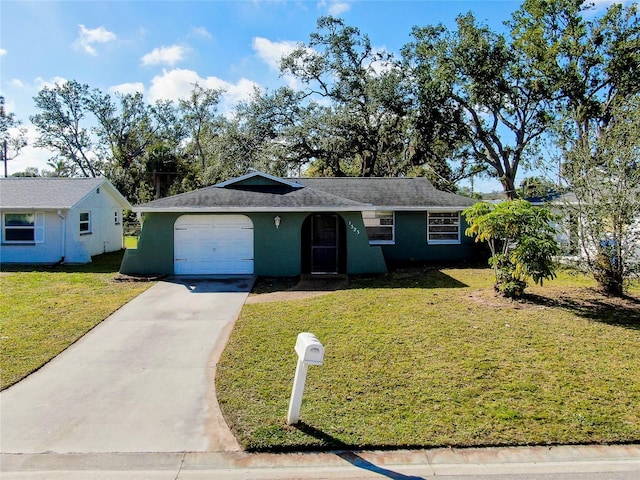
[(43, 310), (418, 360)]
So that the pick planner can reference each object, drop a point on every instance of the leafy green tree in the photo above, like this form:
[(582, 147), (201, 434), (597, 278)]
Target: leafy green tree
[(60, 168), (604, 174), (28, 172), (272, 131), (592, 62), (13, 138), (63, 126), (128, 132), (125, 127), (125, 130), (497, 110), (539, 187), (587, 63), (366, 110), (521, 238), (161, 165), (200, 119)]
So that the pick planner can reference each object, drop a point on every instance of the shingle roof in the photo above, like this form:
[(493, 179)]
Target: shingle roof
[(47, 193), (389, 192), (215, 196), (345, 193)]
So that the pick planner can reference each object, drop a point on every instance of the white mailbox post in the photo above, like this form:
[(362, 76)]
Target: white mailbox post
[(310, 352)]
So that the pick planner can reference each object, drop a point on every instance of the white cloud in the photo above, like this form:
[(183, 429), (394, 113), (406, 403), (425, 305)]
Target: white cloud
[(334, 8), (272, 52), (17, 83), (3, 52), (338, 8), (41, 82), (128, 88), (87, 37), (201, 32), (381, 66), (164, 55), (178, 83)]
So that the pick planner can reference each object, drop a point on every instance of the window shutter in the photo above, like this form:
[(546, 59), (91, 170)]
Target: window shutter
[(39, 228)]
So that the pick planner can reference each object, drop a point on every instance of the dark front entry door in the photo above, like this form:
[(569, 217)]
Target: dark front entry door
[(324, 244)]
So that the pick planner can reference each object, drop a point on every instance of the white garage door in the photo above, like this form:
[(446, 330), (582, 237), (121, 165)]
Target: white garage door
[(213, 244)]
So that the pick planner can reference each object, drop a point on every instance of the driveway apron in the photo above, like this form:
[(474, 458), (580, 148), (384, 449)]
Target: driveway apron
[(141, 381)]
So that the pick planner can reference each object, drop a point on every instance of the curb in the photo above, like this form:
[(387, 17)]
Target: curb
[(402, 464)]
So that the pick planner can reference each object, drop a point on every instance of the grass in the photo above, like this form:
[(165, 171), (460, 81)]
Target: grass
[(131, 242), (427, 359), (43, 310)]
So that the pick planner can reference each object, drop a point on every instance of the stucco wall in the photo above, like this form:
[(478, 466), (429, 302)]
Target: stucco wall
[(105, 236), (62, 236), (411, 242), (277, 251), (49, 251)]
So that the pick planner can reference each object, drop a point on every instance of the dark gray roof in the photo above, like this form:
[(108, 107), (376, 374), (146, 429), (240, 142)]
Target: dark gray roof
[(345, 193), (49, 192), (216, 197), (391, 192)]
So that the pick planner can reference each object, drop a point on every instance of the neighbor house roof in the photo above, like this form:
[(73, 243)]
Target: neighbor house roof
[(258, 191), (51, 192)]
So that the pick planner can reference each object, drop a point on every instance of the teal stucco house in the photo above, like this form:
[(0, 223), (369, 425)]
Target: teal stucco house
[(268, 226)]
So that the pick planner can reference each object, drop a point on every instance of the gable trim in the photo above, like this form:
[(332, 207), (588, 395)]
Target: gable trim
[(249, 175), (124, 203)]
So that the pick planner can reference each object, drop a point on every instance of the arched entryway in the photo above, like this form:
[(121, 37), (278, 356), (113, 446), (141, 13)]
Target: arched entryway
[(324, 244)]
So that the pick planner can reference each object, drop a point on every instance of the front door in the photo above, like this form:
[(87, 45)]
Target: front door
[(324, 244)]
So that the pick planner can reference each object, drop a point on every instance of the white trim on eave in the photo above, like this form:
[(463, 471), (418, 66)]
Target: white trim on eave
[(248, 209), (292, 209)]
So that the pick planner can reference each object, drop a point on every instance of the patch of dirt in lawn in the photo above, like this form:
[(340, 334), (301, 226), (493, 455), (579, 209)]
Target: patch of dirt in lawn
[(285, 290), (488, 297), (588, 302)]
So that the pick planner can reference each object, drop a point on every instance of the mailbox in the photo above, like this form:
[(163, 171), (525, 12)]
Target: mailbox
[(310, 352), (309, 349)]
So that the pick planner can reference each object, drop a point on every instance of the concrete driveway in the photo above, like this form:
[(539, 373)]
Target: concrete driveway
[(141, 381)]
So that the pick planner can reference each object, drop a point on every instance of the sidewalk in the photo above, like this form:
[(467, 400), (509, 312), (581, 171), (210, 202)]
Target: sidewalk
[(617, 462)]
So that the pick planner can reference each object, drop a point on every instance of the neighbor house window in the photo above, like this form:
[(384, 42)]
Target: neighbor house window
[(116, 219), (443, 227), (85, 222), (23, 228), (379, 226)]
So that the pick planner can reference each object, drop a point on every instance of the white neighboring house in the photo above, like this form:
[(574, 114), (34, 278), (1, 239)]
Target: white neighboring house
[(51, 220), (568, 236)]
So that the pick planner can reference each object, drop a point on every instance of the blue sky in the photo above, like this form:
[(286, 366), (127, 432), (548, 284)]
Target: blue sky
[(163, 47)]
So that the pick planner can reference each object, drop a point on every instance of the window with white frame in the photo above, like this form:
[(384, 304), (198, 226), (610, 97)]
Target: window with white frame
[(19, 227), (85, 222), (443, 227), (116, 218), (23, 227), (379, 226)]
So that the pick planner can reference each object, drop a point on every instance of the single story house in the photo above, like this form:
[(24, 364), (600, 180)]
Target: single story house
[(569, 228), (49, 220), (269, 226)]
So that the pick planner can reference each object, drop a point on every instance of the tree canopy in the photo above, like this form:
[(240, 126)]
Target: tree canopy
[(452, 104)]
